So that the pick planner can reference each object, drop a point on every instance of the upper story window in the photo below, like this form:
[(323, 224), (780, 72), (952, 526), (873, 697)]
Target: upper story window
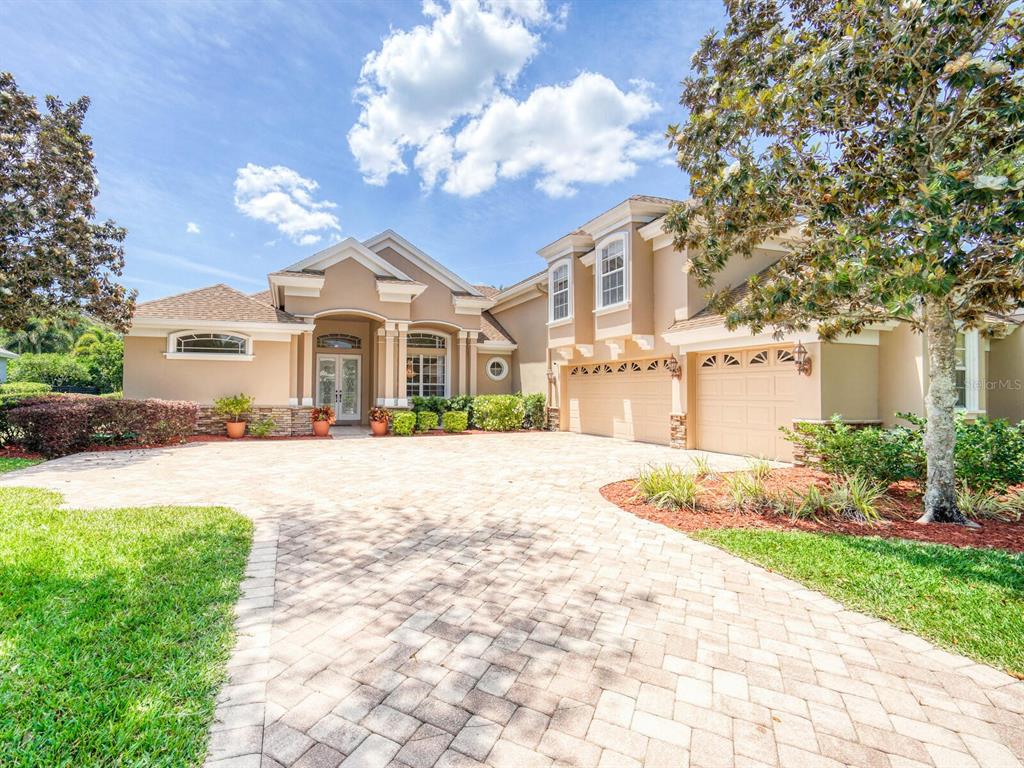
[(610, 272), (560, 293), (211, 344), (338, 341)]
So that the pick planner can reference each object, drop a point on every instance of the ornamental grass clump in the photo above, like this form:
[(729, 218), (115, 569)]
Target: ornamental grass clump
[(668, 488), (746, 491), (855, 497)]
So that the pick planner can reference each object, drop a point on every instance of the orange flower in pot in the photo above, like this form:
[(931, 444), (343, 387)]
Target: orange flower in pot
[(322, 418), (380, 418), (234, 409)]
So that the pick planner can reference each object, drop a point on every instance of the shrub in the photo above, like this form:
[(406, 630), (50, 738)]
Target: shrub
[(885, 455), (433, 403), (403, 422), (989, 453), (535, 411), (54, 368), (856, 497), (233, 407), (455, 421), (59, 425), (426, 421), (668, 487), (463, 403), (499, 413), (13, 391), (263, 426)]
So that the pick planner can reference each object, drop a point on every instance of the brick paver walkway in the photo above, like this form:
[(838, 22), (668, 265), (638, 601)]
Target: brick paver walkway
[(455, 601)]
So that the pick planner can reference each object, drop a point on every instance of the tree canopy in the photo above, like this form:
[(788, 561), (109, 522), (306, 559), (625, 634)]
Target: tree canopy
[(887, 137), (53, 255)]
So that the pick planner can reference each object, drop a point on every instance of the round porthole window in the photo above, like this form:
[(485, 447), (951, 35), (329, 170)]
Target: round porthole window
[(497, 369)]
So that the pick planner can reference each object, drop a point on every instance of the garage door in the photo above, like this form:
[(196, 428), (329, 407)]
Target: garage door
[(630, 399), (743, 397)]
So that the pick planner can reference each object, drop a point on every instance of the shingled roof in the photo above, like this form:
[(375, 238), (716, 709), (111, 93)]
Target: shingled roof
[(492, 330), (217, 302), (706, 318)]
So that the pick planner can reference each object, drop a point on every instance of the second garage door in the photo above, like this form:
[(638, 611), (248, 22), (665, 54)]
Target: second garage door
[(629, 399), (743, 397)]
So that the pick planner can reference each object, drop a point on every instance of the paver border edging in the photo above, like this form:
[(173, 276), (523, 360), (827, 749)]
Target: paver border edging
[(235, 737)]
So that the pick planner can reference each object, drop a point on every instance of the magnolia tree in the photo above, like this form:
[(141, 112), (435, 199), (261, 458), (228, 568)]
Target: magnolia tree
[(888, 138), (53, 257)]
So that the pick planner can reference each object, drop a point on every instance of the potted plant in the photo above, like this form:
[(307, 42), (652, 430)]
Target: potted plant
[(322, 418), (234, 409), (379, 420)]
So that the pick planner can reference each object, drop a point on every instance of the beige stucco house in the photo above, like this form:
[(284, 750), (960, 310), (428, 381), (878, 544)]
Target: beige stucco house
[(614, 331), (355, 325), (636, 354)]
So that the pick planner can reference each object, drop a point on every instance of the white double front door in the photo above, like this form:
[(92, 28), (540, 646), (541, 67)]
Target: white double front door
[(338, 380)]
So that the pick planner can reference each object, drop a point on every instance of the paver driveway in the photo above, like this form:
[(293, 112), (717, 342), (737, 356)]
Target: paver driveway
[(442, 601)]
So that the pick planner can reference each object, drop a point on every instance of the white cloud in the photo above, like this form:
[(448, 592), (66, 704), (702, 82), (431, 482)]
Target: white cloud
[(282, 197), (441, 92), (192, 228)]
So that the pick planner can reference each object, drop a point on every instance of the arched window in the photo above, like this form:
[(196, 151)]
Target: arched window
[(210, 344), (338, 341), (426, 364)]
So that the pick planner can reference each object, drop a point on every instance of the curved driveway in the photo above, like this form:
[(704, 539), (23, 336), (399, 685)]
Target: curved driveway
[(451, 601)]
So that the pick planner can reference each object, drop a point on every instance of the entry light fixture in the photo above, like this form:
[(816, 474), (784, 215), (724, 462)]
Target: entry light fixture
[(802, 359)]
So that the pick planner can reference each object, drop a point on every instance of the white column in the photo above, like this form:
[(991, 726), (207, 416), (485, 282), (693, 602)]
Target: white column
[(403, 329), (472, 364), (307, 368), (390, 337), (460, 387)]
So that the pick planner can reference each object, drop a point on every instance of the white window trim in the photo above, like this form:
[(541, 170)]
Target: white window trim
[(172, 345), (972, 363), (504, 369), (567, 261), (411, 351), (600, 308)]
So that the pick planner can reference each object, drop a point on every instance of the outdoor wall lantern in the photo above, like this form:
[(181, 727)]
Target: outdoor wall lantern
[(802, 359), (674, 367)]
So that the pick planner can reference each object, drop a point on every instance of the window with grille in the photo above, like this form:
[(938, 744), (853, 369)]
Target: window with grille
[(211, 344), (560, 292), (338, 341), (425, 372), (613, 273)]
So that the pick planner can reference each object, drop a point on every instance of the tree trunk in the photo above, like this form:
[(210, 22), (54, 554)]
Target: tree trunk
[(940, 408)]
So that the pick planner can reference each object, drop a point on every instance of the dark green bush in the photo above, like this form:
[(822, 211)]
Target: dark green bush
[(989, 453), (535, 411), (403, 422), (499, 413), (886, 455), (432, 403), (13, 391), (455, 421), (426, 421), (462, 403)]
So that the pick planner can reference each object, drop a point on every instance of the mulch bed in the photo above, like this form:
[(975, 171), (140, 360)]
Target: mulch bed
[(901, 508), (15, 452)]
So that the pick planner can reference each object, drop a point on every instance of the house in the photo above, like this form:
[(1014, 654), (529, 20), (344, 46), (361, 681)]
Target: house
[(355, 325), (5, 355), (637, 354), (614, 331)]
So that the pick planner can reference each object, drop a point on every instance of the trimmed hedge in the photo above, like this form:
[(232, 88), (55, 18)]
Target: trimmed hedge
[(455, 421), (535, 411), (403, 423), (54, 368), (426, 421), (499, 413), (57, 425), (15, 391)]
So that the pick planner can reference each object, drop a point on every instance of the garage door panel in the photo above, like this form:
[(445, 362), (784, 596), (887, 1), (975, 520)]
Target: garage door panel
[(631, 401), (740, 407)]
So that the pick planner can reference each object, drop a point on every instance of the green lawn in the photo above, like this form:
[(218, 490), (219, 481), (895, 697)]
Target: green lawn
[(967, 600), (115, 628), (9, 465)]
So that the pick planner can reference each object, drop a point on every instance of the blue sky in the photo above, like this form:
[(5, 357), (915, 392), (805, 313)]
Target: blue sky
[(233, 139)]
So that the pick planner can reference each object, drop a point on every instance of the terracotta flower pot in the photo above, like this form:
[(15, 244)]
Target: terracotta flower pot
[(379, 428), (236, 429), (321, 428)]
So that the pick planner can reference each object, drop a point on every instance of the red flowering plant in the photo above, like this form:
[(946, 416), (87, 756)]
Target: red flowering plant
[(322, 413)]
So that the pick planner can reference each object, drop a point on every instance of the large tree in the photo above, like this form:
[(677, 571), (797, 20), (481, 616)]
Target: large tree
[(888, 137), (53, 256)]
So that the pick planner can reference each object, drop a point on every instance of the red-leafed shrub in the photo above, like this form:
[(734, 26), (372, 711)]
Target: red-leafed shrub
[(61, 424)]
